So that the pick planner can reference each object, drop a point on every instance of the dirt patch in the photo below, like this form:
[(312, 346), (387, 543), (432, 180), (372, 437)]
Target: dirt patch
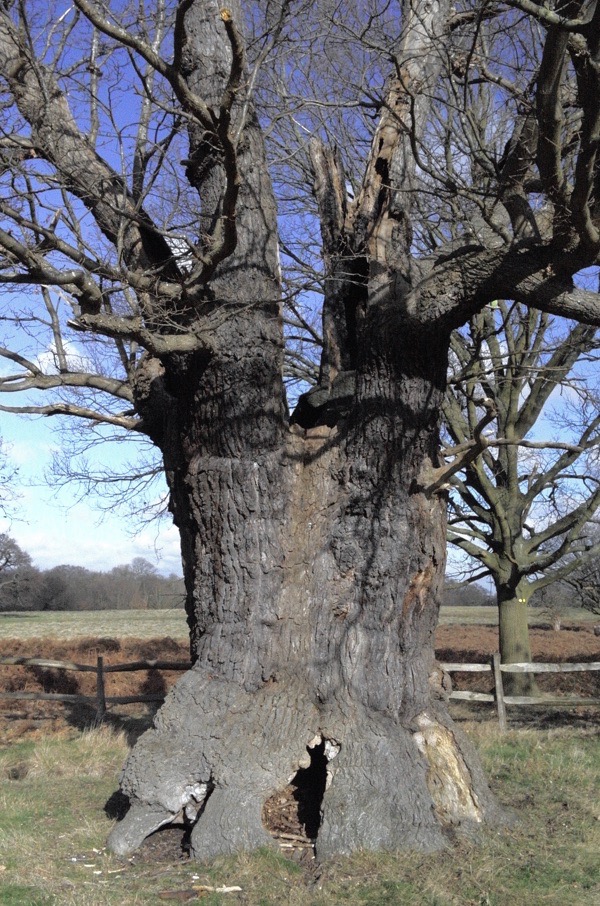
[(574, 642)]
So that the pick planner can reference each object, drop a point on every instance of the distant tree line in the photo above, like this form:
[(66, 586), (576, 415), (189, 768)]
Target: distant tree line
[(137, 585), (465, 594)]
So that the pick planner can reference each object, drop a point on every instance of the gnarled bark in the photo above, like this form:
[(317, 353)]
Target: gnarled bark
[(314, 559)]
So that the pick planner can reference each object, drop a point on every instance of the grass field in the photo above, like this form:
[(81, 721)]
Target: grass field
[(150, 624), (54, 786), (138, 624), (53, 829)]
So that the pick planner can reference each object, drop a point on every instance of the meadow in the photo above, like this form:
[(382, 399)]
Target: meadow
[(52, 837), (151, 624), (119, 624), (58, 781)]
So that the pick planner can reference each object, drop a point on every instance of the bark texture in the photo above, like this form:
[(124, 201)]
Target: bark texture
[(513, 631), (314, 559)]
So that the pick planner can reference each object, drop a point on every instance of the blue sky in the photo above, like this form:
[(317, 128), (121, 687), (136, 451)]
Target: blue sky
[(54, 528)]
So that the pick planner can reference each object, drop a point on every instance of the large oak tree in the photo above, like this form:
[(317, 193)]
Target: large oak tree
[(138, 196)]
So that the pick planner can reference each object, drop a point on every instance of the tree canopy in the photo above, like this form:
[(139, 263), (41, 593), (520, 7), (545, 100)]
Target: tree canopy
[(99, 213)]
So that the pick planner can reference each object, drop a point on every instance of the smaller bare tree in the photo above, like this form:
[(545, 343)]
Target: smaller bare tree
[(584, 580), (519, 505)]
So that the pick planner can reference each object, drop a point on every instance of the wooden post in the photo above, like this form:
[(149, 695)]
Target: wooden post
[(100, 694), (499, 692)]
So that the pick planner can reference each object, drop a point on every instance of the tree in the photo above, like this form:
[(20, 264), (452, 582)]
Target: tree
[(313, 552), (584, 580), (520, 509), (7, 481), (139, 585), (60, 588), (464, 594), (16, 574)]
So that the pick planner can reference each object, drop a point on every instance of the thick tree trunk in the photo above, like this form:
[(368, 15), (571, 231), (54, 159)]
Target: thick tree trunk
[(514, 641), (313, 561), (313, 553)]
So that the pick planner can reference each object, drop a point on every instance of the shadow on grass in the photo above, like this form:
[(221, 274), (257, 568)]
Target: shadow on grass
[(82, 717)]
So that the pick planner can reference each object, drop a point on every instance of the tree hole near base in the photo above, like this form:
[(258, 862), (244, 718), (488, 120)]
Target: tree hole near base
[(293, 815), (171, 843)]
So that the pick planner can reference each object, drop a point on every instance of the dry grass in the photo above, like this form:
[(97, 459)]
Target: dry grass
[(52, 795)]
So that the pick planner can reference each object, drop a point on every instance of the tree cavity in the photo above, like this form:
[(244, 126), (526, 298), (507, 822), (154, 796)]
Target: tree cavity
[(293, 814)]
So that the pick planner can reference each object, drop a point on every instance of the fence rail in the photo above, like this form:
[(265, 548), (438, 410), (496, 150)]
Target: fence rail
[(101, 700), (502, 700)]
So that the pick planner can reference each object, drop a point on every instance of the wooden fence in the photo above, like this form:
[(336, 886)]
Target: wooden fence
[(502, 700), (101, 700)]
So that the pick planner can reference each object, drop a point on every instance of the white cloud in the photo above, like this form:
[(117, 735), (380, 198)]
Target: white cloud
[(48, 361), (76, 539)]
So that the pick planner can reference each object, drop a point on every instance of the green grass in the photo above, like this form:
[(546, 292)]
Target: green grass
[(53, 829), (151, 624), (139, 624)]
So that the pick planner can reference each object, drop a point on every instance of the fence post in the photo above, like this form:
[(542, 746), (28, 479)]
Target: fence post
[(100, 694), (499, 692)]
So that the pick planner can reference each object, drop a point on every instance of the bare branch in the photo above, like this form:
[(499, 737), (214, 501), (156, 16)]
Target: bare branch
[(437, 479), (92, 415)]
